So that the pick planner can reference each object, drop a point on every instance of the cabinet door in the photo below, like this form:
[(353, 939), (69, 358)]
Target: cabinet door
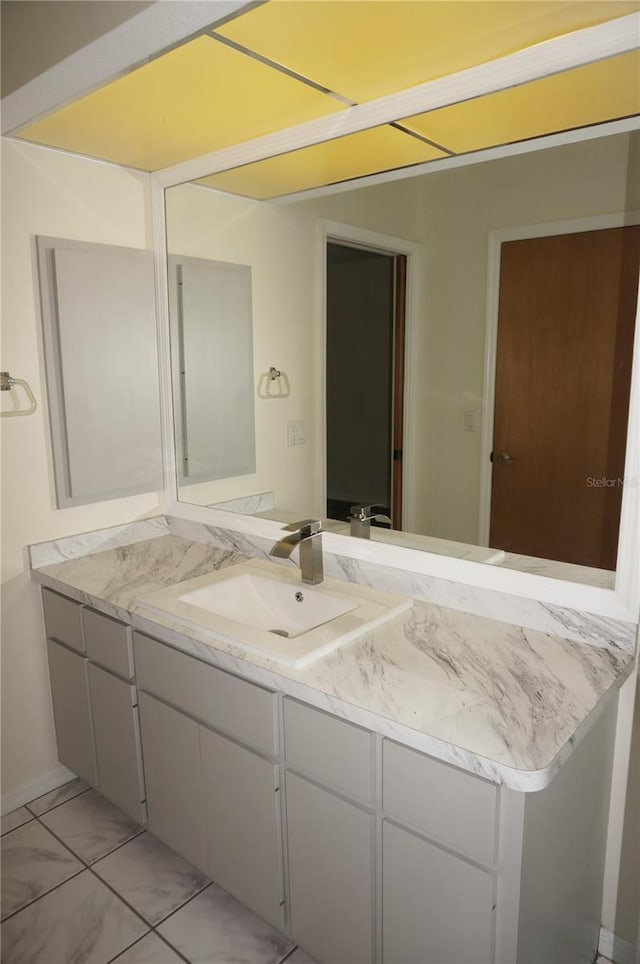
[(331, 874), (173, 779), (70, 695), (437, 908), (115, 726), (243, 815)]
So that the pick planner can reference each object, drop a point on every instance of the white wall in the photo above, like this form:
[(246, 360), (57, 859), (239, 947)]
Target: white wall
[(48, 193)]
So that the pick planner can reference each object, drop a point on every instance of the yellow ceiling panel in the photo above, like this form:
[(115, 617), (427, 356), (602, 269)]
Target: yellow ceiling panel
[(363, 49), (195, 99), (588, 95), (379, 149)]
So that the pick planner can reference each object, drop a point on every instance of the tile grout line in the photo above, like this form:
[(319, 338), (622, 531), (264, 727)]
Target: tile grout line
[(35, 900), (23, 824), (55, 806), (82, 859), (89, 867), (164, 919), (151, 928), (79, 859), (160, 937), (287, 956), (13, 830), (36, 819), (180, 906)]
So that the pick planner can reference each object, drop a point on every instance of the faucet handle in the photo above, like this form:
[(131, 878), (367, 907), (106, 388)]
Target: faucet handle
[(306, 527), (366, 512), (381, 518)]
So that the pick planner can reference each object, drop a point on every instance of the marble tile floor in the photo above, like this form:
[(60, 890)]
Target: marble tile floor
[(82, 882)]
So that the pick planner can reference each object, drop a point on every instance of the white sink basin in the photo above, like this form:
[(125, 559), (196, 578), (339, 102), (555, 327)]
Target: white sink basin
[(265, 609), (266, 603)]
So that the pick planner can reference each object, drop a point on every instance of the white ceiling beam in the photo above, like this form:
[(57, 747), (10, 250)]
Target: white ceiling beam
[(140, 38), (544, 59)]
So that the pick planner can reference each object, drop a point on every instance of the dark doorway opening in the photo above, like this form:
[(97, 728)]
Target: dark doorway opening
[(364, 380)]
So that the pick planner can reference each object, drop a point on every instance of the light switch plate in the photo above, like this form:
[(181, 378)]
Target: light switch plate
[(470, 424), (295, 431)]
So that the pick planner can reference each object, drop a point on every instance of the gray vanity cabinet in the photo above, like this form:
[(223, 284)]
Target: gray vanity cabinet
[(210, 795), (438, 894), (330, 830), (436, 907), (363, 850), (243, 818), (70, 694), (173, 778), (114, 708), (62, 620), (331, 873), (94, 700), (115, 726)]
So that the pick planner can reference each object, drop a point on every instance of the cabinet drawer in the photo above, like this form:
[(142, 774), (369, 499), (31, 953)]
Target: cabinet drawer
[(440, 800), (243, 710), (62, 620), (108, 643), (335, 752)]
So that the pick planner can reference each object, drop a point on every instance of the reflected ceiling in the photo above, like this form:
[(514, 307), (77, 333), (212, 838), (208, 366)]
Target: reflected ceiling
[(578, 98), (290, 61), (347, 157)]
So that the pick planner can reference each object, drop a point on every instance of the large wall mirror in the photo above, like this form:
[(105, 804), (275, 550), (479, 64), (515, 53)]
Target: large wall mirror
[(452, 349)]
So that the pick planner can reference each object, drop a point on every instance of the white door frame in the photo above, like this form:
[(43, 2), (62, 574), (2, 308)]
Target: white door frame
[(496, 239), (382, 244)]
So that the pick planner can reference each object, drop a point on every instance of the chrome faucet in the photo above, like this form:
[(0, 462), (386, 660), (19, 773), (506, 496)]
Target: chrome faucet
[(308, 535), (361, 517)]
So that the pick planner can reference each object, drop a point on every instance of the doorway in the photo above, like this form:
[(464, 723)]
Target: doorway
[(365, 351), (566, 320)]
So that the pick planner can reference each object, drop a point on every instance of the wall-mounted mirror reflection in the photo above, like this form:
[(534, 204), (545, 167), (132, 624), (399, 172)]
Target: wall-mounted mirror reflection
[(454, 350)]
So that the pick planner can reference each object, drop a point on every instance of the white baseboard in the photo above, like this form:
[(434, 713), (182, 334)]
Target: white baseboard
[(615, 948), (35, 788)]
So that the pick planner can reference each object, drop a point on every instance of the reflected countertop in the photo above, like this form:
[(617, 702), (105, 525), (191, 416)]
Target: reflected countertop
[(498, 700), (553, 569)]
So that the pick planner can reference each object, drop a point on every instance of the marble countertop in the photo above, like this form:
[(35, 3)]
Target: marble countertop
[(498, 700)]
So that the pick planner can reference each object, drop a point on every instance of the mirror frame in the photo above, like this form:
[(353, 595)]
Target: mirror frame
[(560, 53)]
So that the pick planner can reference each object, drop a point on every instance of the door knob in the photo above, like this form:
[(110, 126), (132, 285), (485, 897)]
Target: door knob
[(502, 459)]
